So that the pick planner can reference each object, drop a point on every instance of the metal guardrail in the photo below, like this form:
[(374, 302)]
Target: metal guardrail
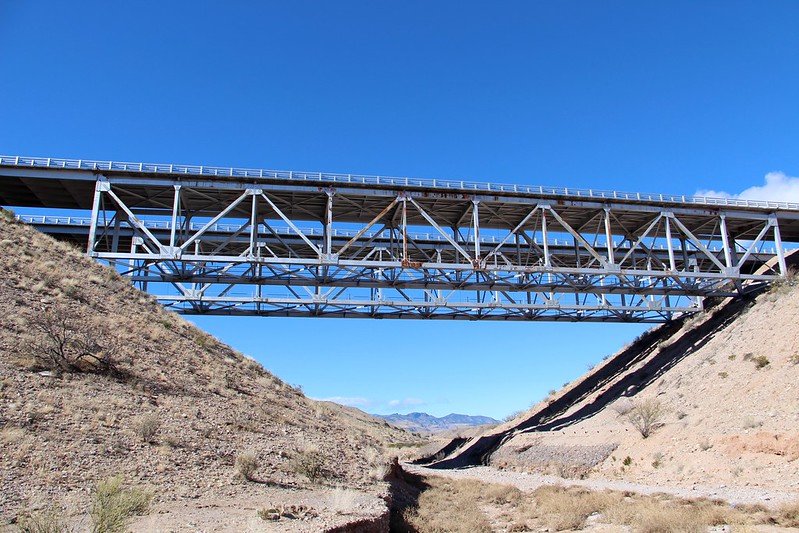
[(312, 232), (211, 171), (232, 228)]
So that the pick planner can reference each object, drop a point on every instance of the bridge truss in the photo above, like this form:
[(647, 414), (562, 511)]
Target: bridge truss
[(207, 240)]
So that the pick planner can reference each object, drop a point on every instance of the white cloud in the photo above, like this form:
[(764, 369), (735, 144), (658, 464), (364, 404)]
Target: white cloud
[(350, 401), (406, 402), (778, 187)]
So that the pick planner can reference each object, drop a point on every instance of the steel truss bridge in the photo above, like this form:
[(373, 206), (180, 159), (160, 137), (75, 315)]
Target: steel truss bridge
[(228, 241)]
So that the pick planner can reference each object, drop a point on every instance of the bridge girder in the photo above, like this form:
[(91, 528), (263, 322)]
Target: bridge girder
[(281, 246)]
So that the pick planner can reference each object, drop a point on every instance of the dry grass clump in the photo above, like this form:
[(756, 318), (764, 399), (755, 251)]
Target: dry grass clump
[(50, 521), (501, 494), (788, 515), (247, 465), (560, 508), (450, 506), (113, 505), (469, 505), (343, 501), (666, 515), (654, 517), (147, 427)]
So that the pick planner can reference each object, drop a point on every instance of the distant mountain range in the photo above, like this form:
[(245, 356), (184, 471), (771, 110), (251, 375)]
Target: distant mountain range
[(422, 422)]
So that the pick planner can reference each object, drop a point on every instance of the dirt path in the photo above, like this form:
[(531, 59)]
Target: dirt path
[(530, 482)]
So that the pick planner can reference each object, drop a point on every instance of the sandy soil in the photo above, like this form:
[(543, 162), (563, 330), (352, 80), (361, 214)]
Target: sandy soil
[(528, 482)]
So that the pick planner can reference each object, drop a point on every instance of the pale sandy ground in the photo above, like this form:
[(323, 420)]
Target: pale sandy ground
[(329, 509), (528, 482)]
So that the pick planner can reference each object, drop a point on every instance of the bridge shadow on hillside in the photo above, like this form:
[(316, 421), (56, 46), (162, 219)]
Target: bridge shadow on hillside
[(647, 351)]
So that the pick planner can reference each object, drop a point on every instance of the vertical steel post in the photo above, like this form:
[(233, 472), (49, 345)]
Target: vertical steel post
[(684, 248), (201, 271), (115, 238), (329, 224), (725, 241), (404, 229), (134, 241), (669, 245), (476, 226), (545, 237), (778, 245), (99, 187), (609, 236), (175, 211), (254, 225)]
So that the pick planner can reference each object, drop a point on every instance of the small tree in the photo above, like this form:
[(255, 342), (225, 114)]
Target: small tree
[(646, 416), (68, 344)]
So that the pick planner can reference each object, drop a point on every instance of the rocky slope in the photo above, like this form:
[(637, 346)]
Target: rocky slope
[(724, 388), (150, 397)]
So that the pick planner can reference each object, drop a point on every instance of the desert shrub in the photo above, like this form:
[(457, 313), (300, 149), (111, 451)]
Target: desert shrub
[(309, 463), (785, 284), (794, 359), (761, 361), (646, 416), (147, 427), (627, 461), (657, 460), (113, 505), (247, 464), (751, 422), (513, 416), (622, 406), (50, 521), (68, 344), (569, 471)]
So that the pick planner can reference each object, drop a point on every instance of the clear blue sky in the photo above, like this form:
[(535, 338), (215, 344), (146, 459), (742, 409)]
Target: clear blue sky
[(674, 97)]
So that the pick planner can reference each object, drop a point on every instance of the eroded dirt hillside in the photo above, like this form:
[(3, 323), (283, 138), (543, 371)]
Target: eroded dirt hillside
[(724, 388), (160, 402)]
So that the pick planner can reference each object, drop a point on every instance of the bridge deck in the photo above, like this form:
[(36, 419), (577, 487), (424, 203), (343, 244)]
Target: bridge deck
[(401, 247)]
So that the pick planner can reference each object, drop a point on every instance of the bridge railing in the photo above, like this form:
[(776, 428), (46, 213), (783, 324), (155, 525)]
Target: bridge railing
[(230, 172)]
